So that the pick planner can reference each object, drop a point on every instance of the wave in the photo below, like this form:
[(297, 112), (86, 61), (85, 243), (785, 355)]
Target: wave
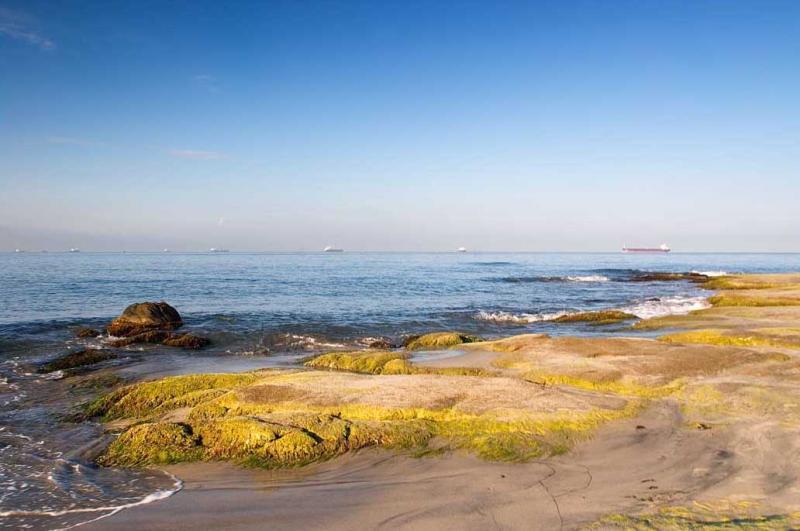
[(517, 318), (570, 278), (662, 306), (110, 509), (711, 273), (588, 278)]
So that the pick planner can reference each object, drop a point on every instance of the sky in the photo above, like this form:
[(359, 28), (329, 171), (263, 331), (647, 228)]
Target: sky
[(400, 125)]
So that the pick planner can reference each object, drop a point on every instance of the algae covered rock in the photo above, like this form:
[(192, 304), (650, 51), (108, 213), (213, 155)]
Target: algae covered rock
[(152, 443), (371, 362), (74, 360), (438, 340), (145, 316), (598, 317)]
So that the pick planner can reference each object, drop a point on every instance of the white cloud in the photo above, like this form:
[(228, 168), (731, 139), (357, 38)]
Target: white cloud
[(18, 26), (194, 154)]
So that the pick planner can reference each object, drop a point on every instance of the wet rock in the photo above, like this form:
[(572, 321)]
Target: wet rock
[(438, 340), (73, 360), (381, 344), (163, 337), (657, 276), (188, 341), (153, 336), (143, 317), (84, 332)]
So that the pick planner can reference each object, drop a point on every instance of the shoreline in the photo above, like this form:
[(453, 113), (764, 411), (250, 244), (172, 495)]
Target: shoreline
[(674, 452), (687, 448)]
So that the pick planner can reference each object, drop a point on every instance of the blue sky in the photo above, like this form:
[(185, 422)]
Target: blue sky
[(400, 125)]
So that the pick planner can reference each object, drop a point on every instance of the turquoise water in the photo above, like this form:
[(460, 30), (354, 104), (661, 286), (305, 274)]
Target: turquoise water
[(263, 309)]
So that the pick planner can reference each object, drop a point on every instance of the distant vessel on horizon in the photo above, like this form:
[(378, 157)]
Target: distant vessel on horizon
[(332, 249), (663, 248), (215, 250), (74, 250), (461, 250)]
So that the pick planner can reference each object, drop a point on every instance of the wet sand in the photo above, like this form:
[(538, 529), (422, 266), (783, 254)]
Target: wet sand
[(626, 467)]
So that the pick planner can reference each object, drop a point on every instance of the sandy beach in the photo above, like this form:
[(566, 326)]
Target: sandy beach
[(712, 439)]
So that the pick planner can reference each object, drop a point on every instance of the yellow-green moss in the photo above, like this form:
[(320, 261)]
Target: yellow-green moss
[(619, 387), (146, 398), (735, 299), (288, 433), (153, 443), (599, 317), (380, 362), (371, 362), (439, 340), (702, 516), (732, 338)]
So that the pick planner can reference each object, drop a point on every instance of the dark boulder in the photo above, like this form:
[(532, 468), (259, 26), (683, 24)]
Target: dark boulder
[(143, 317)]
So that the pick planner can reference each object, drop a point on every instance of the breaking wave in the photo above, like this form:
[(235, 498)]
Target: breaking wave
[(662, 306), (570, 278), (711, 273), (518, 318)]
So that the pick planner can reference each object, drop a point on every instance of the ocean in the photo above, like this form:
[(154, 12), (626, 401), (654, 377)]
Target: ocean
[(273, 309)]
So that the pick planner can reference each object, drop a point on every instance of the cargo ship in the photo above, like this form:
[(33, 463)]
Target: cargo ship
[(663, 248)]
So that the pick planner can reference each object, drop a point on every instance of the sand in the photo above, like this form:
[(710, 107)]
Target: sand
[(620, 470), (727, 442)]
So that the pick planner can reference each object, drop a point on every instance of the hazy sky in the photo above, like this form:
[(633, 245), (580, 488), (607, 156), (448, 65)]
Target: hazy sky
[(400, 125)]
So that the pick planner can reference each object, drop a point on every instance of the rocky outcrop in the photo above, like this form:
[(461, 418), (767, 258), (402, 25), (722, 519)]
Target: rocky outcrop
[(438, 340), (144, 317), (152, 322)]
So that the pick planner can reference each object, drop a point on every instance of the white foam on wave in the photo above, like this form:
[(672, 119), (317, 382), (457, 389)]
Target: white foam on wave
[(519, 318), (587, 278), (674, 305), (711, 273), (110, 510)]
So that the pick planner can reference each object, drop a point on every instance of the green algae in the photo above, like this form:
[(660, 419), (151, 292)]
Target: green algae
[(723, 515), (599, 317), (225, 424), (439, 340), (732, 338), (369, 362), (382, 362), (140, 400)]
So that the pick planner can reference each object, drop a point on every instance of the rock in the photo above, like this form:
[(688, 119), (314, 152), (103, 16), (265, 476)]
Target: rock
[(438, 340), (659, 276), (189, 341), (143, 317), (162, 337), (84, 332), (152, 336), (80, 358), (598, 317), (380, 344)]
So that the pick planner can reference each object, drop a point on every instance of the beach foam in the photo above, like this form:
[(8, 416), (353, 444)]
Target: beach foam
[(662, 306), (518, 318)]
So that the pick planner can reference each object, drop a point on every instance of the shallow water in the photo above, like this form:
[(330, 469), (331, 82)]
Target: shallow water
[(272, 310)]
